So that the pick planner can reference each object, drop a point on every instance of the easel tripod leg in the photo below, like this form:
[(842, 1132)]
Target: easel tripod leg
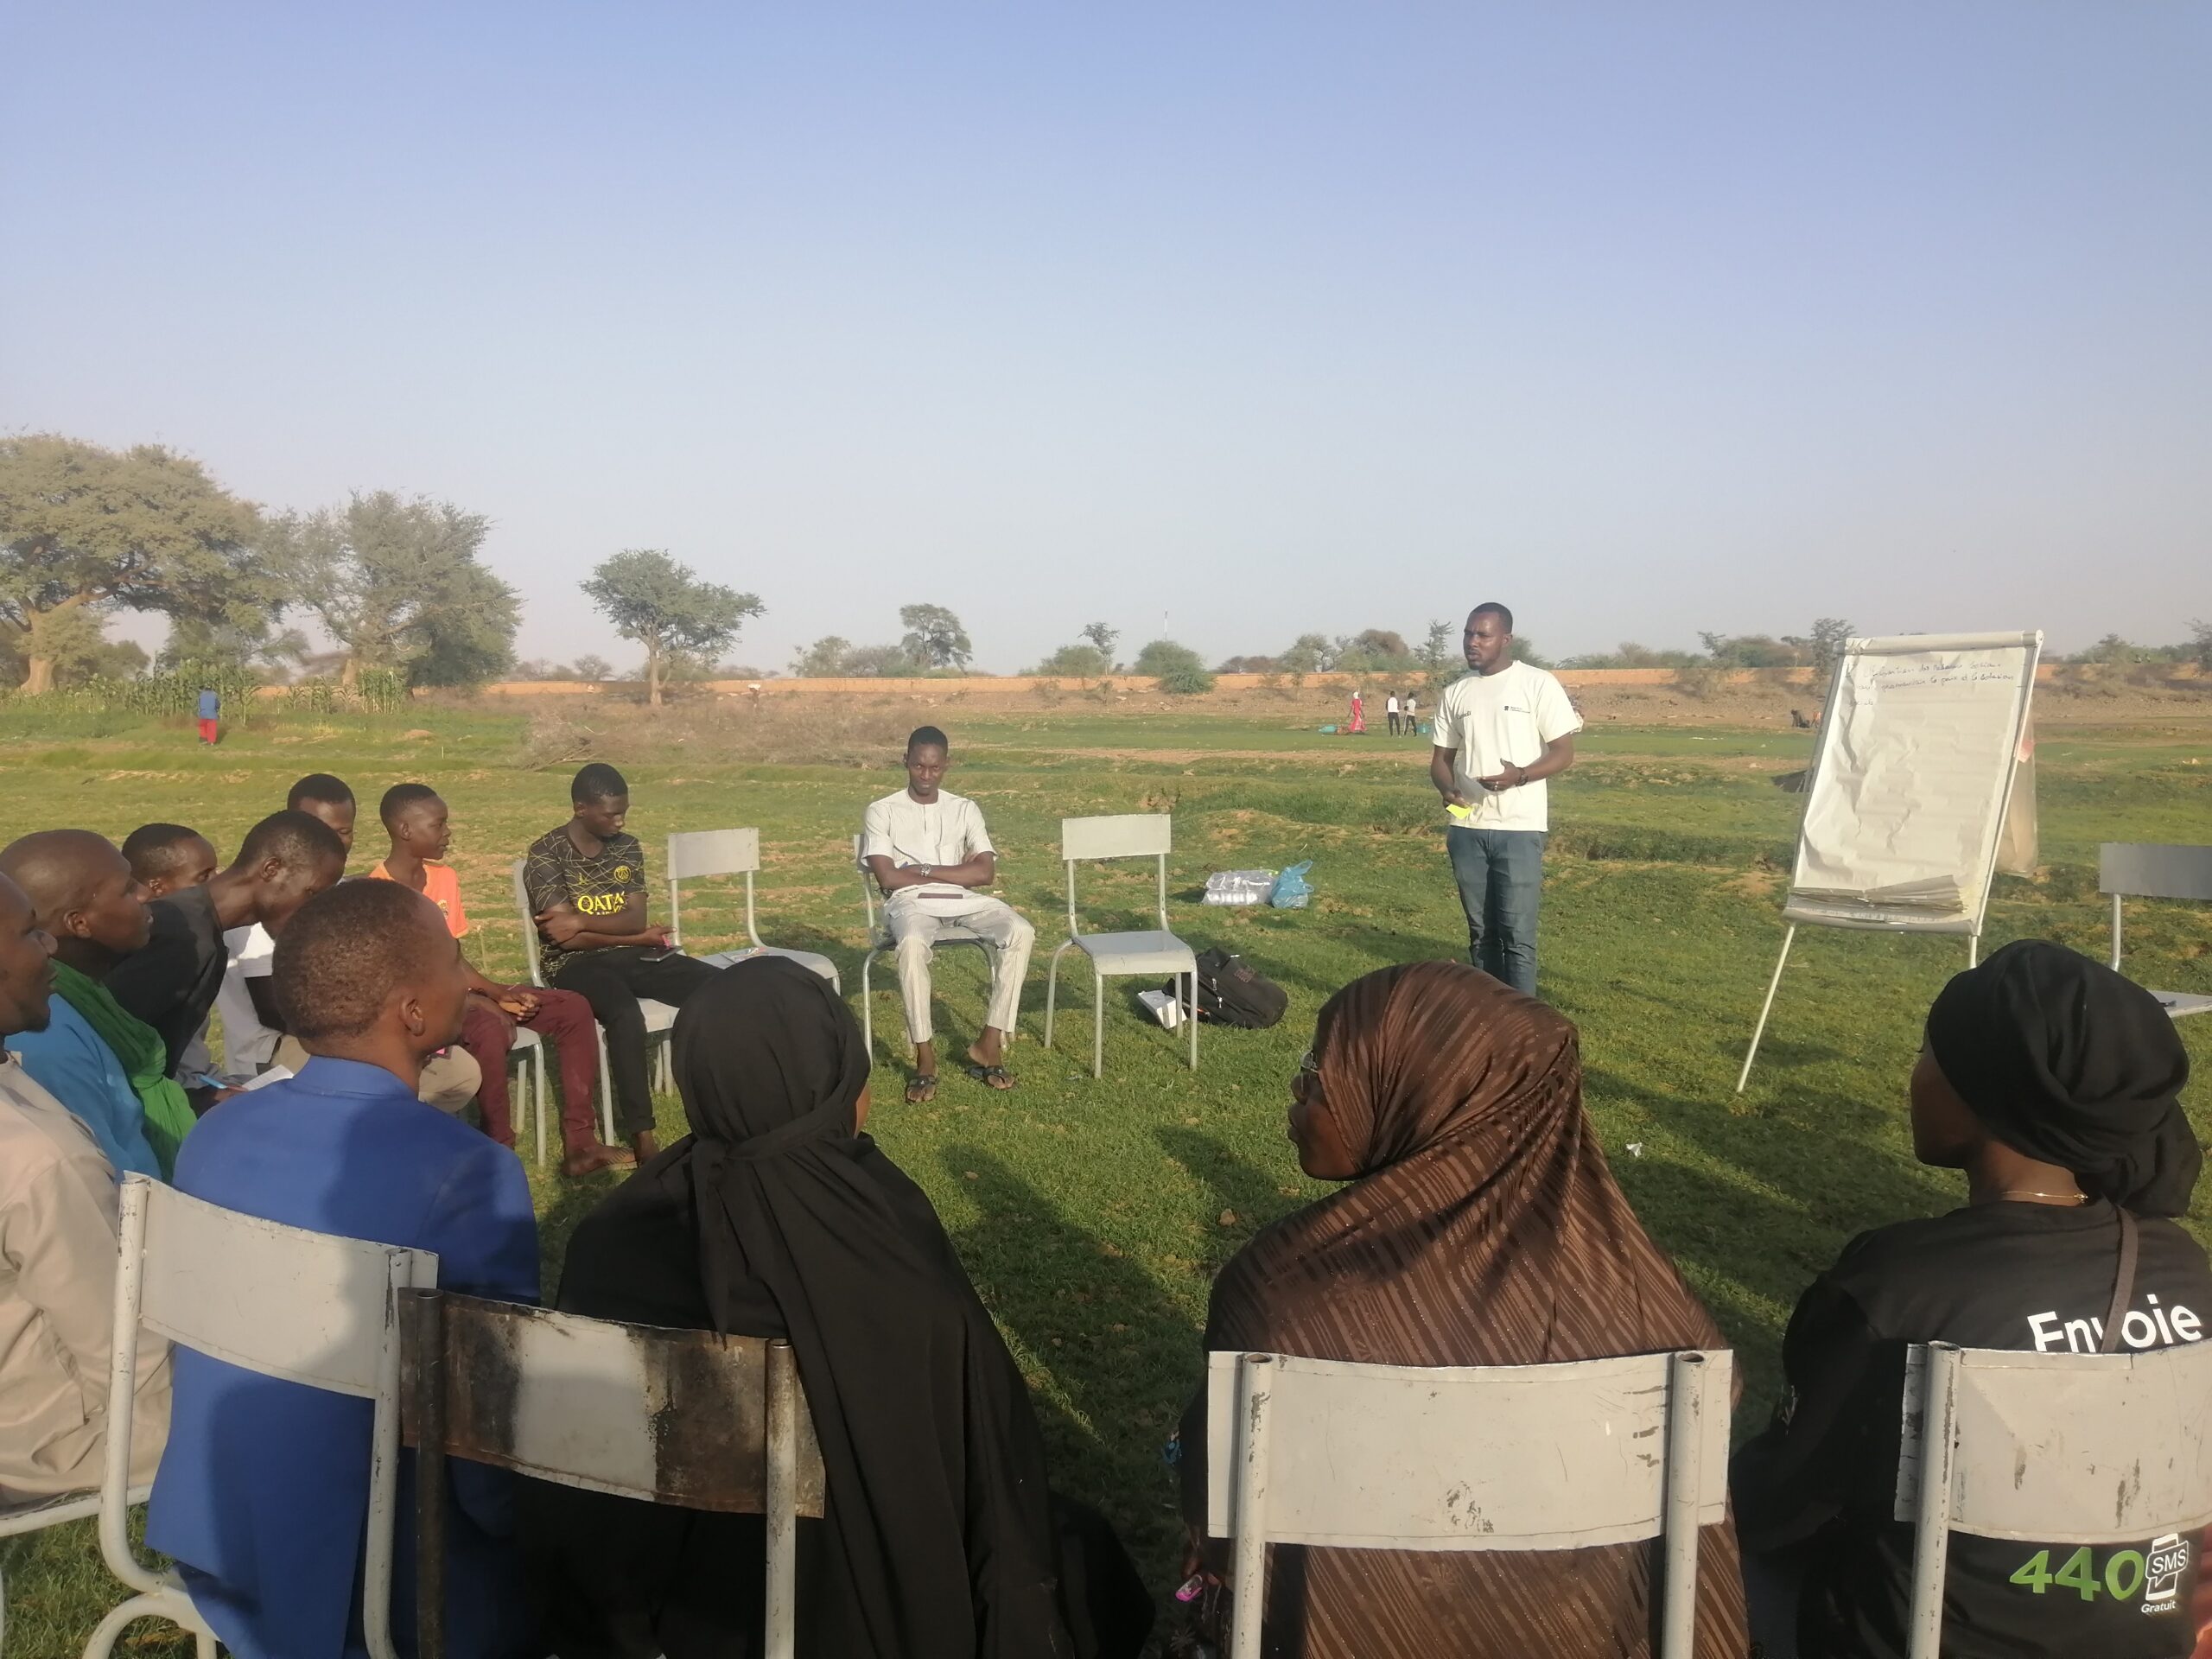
[(1767, 1008)]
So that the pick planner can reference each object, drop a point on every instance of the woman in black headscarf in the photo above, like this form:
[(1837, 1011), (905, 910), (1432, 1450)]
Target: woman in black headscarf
[(776, 1217), (2053, 1084)]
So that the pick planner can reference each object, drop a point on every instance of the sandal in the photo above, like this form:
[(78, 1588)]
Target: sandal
[(921, 1088), (991, 1076)]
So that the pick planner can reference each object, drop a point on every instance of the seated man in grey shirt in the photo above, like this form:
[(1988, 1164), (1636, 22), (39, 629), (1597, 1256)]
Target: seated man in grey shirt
[(930, 853)]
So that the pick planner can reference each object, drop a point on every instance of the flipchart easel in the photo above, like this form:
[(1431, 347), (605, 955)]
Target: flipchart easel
[(1925, 757)]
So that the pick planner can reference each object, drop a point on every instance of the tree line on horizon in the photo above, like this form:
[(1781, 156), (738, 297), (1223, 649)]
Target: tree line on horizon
[(397, 585)]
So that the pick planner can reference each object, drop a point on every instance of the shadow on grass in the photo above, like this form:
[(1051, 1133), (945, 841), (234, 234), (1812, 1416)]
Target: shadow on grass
[(1120, 1357)]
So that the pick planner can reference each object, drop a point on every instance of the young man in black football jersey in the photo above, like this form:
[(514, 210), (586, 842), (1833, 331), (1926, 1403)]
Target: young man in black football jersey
[(2053, 1084), (586, 886)]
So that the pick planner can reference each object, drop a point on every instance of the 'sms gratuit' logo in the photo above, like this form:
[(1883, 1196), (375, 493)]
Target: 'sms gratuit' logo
[(2169, 1559)]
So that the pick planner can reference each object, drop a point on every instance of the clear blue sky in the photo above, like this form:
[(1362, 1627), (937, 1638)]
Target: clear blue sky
[(1644, 319)]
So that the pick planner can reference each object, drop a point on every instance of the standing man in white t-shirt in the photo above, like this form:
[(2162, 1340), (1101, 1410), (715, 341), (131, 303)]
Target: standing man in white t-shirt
[(1498, 734), (929, 852)]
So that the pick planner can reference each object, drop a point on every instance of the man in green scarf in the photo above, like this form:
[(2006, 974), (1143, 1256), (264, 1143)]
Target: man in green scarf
[(106, 1065)]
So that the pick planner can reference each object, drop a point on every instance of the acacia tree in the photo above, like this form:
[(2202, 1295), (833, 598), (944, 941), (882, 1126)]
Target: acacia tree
[(1104, 639), (396, 584), (651, 599), (87, 529), (934, 637)]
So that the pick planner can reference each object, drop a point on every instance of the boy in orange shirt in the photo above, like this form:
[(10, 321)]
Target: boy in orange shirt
[(417, 821)]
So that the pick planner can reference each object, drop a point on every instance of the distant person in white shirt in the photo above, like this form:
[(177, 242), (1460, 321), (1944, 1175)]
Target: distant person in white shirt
[(1390, 711), (1498, 734), (929, 852)]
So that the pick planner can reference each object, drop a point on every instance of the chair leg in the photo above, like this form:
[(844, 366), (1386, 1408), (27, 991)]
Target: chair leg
[(172, 1605), (867, 1010), (1193, 1006), (605, 1095), (1051, 985), (1098, 1024), (538, 1096)]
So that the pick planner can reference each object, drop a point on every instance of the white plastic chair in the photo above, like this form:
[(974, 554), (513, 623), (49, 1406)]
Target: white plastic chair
[(2135, 869), (1117, 956), (660, 1019), (880, 945), (692, 1418), (37, 1515), (2056, 1448), (699, 853), (311, 1308), (1350, 1456)]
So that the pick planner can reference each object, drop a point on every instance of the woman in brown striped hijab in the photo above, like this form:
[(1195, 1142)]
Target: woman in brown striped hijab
[(1481, 1227)]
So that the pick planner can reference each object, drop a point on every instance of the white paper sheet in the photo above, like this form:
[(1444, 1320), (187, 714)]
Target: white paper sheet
[(1917, 752)]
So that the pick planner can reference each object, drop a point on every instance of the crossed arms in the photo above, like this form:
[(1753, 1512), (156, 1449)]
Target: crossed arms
[(976, 870)]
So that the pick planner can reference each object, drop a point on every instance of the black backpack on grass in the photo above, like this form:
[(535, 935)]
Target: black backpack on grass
[(1231, 992)]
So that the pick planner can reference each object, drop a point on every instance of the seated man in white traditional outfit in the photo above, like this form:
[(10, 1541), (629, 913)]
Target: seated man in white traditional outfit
[(930, 853)]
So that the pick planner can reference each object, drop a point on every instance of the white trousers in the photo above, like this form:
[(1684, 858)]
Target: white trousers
[(918, 921)]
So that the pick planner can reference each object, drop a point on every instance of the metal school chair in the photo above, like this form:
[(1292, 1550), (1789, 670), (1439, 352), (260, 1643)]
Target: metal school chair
[(1117, 956), (1352, 1456), (311, 1308), (691, 1417)]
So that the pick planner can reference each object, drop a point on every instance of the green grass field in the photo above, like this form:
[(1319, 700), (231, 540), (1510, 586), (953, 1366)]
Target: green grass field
[(1092, 1214)]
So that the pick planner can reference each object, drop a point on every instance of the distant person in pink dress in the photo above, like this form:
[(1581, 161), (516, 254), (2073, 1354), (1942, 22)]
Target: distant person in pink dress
[(1358, 716)]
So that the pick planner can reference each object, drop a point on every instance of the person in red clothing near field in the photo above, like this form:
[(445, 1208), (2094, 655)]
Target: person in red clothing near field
[(211, 715), (417, 822)]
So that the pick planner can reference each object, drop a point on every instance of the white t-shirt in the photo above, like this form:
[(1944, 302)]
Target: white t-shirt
[(947, 830), (246, 1042), (1390, 707), (1495, 721)]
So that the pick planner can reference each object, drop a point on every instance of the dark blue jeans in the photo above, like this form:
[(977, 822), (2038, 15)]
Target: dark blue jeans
[(1501, 877)]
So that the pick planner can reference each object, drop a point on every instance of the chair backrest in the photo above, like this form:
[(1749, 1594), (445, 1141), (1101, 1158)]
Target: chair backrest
[(308, 1307), (1123, 835), (693, 854), (2146, 870), (1354, 1456), (685, 1417), (1477, 1456), (677, 1417), (2053, 1447), (529, 919), (713, 852)]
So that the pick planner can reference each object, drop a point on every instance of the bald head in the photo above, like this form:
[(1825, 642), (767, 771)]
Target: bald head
[(26, 973), (83, 892)]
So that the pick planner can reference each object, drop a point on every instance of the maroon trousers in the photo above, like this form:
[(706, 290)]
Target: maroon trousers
[(564, 1019)]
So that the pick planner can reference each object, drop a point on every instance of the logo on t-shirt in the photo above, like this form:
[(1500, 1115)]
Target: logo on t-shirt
[(621, 872), (2169, 1559)]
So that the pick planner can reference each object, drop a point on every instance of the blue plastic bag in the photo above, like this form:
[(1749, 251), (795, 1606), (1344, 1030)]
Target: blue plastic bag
[(1292, 891)]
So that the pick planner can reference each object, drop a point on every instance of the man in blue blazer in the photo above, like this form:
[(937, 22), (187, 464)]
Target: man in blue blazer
[(262, 1493)]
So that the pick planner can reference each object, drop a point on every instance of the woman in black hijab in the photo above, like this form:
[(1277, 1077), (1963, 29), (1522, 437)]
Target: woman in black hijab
[(2053, 1084), (776, 1217)]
